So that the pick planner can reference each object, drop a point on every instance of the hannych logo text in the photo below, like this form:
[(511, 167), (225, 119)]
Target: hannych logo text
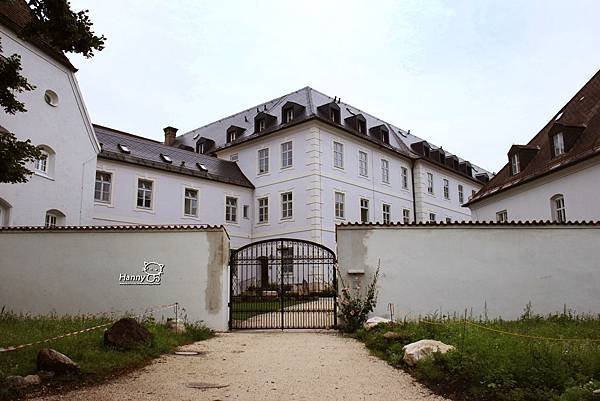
[(152, 275)]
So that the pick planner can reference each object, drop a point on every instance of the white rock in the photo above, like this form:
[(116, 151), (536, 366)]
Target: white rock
[(414, 352), (374, 321), (32, 380)]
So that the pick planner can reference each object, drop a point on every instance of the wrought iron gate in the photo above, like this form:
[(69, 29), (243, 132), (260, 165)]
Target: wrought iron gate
[(282, 284)]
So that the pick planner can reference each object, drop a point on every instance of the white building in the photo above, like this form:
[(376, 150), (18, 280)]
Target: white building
[(555, 176), (61, 190)]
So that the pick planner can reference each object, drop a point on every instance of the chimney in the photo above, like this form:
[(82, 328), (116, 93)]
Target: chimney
[(170, 135)]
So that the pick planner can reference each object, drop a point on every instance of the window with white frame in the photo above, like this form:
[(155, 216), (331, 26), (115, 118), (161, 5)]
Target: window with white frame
[(234, 157), (102, 187), (338, 155), (263, 210), (144, 194), (502, 216), (51, 219), (559, 211), (286, 205), (289, 114), (41, 164), (246, 211), (385, 171), (386, 213), (231, 205), (446, 189), (432, 217), (461, 194), (404, 172), (406, 216), (340, 205), (364, 210), (363, 160), (559, 144), (263, 161), (515, 164), (430, 183), (190, 202), (286, 155)]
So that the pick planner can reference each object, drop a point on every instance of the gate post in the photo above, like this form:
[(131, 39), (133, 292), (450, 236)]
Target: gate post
[(281, 288), (335, 293)]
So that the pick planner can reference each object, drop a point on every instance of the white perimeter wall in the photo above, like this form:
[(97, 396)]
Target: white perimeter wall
[(78, 272), (428, 269)]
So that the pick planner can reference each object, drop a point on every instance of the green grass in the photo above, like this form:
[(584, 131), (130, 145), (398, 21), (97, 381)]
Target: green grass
[(242, 310), (87, 349), (489, 366)]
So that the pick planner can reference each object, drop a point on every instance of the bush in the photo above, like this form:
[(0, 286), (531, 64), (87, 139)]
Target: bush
[(353, 309)]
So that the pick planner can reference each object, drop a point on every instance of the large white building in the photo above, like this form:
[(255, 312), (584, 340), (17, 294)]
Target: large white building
[(61, 189), (556, 175)]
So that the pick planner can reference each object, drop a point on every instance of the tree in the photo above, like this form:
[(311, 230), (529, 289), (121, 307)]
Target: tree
[(62, 29)]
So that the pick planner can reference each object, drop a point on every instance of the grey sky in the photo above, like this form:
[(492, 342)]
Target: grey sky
[(471, 76)]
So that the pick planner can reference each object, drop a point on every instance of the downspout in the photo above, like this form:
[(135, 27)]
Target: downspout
[(412, 181)]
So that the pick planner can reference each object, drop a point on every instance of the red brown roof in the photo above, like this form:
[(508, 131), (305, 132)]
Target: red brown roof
[(580, 117), (15, 15)]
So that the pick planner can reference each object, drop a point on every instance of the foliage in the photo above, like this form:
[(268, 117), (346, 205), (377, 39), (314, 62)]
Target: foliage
[(87, 349), (11, 82), (490, 366), (353, 309), (14, 155)]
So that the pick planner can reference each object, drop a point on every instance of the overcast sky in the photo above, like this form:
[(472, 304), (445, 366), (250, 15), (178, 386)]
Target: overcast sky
[(471, 76)]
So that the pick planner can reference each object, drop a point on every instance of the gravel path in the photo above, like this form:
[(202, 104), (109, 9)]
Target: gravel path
[(265, 365)]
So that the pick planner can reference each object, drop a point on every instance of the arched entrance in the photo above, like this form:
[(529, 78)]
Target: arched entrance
[(282, 284)]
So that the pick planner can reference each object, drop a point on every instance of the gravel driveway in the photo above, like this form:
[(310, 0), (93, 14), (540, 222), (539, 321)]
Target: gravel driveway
[(264, 365)]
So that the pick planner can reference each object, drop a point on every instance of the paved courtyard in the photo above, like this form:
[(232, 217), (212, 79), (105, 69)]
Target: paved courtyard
[(264, 365)]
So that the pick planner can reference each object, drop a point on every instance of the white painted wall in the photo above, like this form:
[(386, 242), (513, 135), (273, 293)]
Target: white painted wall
[(578, 185), (71, 272), (66, 129), (168, 202), (432, 269)]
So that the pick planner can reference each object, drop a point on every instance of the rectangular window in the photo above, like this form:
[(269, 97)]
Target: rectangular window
[(41, 165), (190, 203), (340, 205), (51, 220), (363, 168), (461, 194), (430, 183), (289, 115), (246, 211), (406, 216), (364, 210), (385, 171), (263, 161), (404, 177), (432, 217), (559, 144), (446, 189), (231, 209), (144, 194), (263, 210), (387, 213), (338, 155), (516, 165), (286, 205), (448, 220), (502, 216), (261, 125), (559, 207), (234, 157), (102, 187), (286, 155)]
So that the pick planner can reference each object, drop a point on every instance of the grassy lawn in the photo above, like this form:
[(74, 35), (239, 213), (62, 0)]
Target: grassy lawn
[(242, 310), (86, 349), (490, 366)]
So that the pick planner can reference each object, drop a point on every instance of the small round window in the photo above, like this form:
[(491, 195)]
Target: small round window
[(51, 98)]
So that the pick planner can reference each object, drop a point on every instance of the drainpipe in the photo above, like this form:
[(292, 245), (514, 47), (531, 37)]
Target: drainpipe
[(412, 181)]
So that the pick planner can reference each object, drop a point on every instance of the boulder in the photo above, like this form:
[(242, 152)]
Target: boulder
[(414, 352), (14, 382), (374, 321), (52, 360), (45, 374), (392, 335), (127, 333), (176, 327), (32, 380)]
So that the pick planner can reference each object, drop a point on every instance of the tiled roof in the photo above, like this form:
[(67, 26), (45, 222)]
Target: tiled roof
[(399, 139), (15, 15), (146, 152), (172, 227), (468, 223), (581, 113)]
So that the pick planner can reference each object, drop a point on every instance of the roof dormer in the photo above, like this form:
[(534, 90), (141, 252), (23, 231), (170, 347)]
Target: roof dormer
[(357, 123), (422, 148), (562, 138), (483, 177), (452, 162), (380, 132), (330, 111), (466, 168), (234, 132), (519, 157), (205, 145), (291, 111), (438, 155), (264, 121)]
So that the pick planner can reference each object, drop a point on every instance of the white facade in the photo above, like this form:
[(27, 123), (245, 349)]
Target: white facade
[(63, 130), (578, 185)]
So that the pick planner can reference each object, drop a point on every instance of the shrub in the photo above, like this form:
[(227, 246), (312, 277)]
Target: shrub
[(353, 309)]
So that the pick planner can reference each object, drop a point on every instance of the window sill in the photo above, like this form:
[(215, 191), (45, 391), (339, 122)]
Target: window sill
[(105, 204), (287, 168), (43, 175), (190, 217), (263, 174), (286, 220), (264, 224), (144, 210), (232, 223)]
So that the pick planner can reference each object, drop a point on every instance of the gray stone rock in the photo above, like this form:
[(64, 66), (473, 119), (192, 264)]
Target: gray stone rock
[(52, 360), (392, 335), (32, 380), (127, 333), (14, 382), (414, 352), (45, 374)]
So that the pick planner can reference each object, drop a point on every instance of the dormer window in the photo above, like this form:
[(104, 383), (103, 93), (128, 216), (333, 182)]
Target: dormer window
[(123, 148), (558, 143), (357, 122), (201, 167), (380, 132), (231, 136), (288, 115), (264, 121), (334, 115), (330, 111), (515, 164), (361, 127), (385, 136), (260, 125), (166, 158), (201, 148)]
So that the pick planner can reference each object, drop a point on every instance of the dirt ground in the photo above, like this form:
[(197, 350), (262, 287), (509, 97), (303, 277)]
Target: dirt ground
[(264, 365)]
